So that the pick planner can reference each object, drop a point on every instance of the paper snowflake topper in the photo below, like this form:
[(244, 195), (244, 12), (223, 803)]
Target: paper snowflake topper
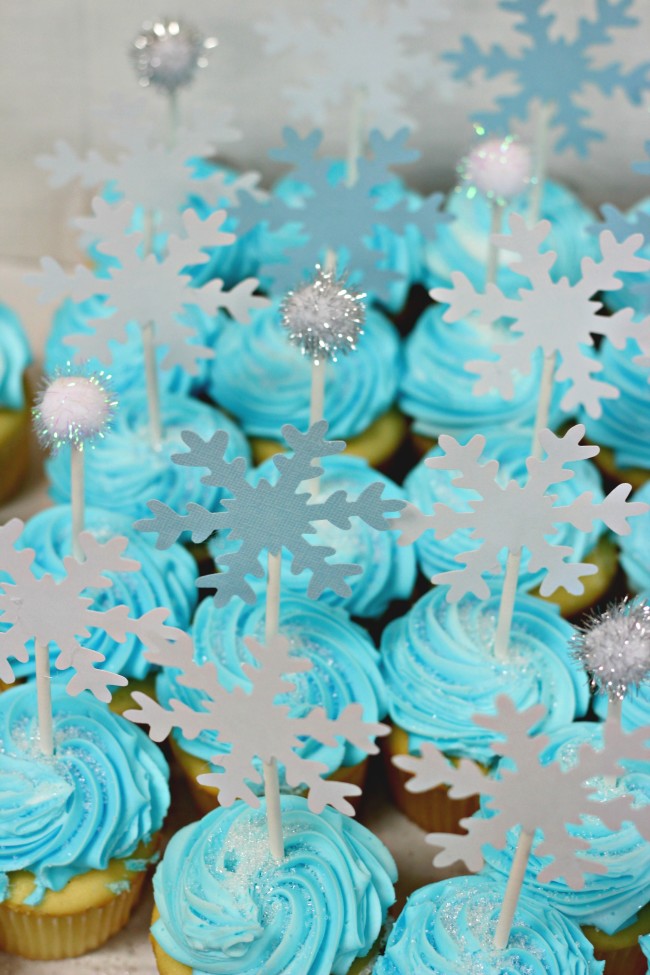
[(73, 408), (144, 289), (256, 725), (47, 611), (614, 648), (554, 70), (499, 169), (530, 795), (516, 516), (270, 516), (323, 318), (356, 46), (340, 217), (149, 172), (555, 316), (167, 54), (622, 226)]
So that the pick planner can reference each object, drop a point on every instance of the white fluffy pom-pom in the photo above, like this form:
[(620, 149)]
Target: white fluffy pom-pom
[(73, 409), (166, 53), (614, 647), (324, 319), (500, 169)]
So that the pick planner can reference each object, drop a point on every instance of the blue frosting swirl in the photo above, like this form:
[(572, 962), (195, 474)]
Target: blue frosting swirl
[(440, 669), (264, 381), (437, 391), (164, 579), (388, 568), (448, 929), (103, 792), (463, 244), (227, 907), (123, 471), (345, 668), (15, 356), (624, 424), (510, 448), (609, 901), (636, 545), (635, 292), (127, 367)]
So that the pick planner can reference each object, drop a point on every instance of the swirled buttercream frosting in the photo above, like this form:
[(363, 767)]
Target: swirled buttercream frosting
[(448, 929), (103, 792), (345, 668), (15, 356), (124, 472), (227, 907), (165, 578), (264, 381), (440, 669), (388, 568), (510, 448), (609, 901)]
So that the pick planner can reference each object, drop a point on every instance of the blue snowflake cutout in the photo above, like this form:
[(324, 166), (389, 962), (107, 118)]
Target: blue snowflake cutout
[(345, 218), (269, 516), (554, 70)]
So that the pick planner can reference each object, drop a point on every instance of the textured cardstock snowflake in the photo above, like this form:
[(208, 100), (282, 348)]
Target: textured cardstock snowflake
[(515, 516), (50, 611), (529, 794), (558, 317), (270, 517), (352, 46), (148, 171), (144, 288), (256, 726), (343, 218), (554, 70)]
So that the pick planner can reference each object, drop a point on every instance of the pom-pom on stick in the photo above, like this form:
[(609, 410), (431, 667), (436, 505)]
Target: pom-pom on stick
[(499, 169), (75, 409), (614, 648)]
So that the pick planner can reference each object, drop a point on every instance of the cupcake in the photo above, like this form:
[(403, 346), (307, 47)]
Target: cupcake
[(448, 929), (15, 356), (124, 472), (463, 244), (635, 548), (224, 904), (264, 382), (437, 391), (78, 829), (623, 429), (165, 578), (439, 665), (510, 448), (345, 671), (388, 568), (612, 908)]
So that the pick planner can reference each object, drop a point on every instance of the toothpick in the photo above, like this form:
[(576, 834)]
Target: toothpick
[(271, 778), (356, 134), (496, 210), (513, 890), (149, 349), (542, 133), (507, 605), (44, 699), (77, 498), (544, 402)]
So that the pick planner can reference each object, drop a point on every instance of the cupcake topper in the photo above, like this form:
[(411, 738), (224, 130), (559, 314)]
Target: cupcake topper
[(531, 796), (44, 610), (152, 292), (623, 226), (324, 320), (553, 72), (338, 217), (614, 648), (555, 316), (499, 169), (257, 727), (513, 516), (74, 409)]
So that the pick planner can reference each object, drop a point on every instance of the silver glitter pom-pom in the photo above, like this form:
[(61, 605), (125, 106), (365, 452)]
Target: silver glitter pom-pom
[(614, 648), (324, 319), (167, 53), (73, 407)]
